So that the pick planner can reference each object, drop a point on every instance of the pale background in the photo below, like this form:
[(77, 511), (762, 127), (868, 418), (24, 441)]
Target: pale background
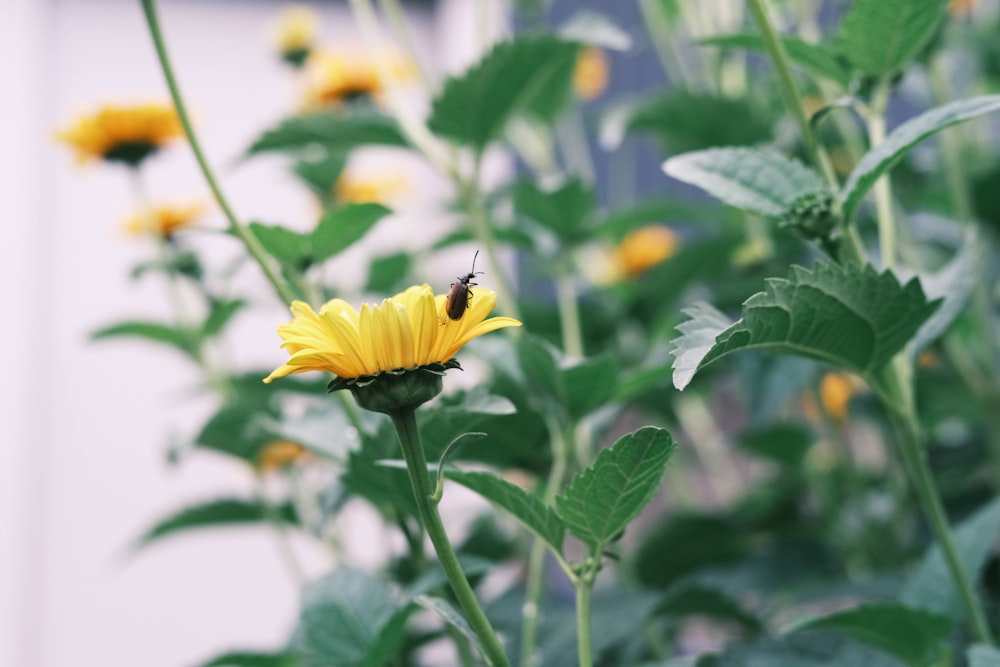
[(84, 426)]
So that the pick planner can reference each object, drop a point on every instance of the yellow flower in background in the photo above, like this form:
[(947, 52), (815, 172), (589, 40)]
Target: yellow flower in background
[(127, 134), (295, 33), (590, 75), (164, 221), (835, 391), (356, 188), (281, 454), (333, 77), (644, 248), (407, 331)]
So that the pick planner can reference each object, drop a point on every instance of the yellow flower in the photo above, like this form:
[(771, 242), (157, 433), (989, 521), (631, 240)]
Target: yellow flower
[(333, 77), (590, 75), (406, 331), (354, 188), (164, 221), (644, 248), (835, 390), (295, 32), (280, 454), (127, 134)]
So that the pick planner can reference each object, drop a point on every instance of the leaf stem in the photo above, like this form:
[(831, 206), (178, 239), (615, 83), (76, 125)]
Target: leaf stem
[(584, 589), (405, 422), (790, 91), (569, 312), (238, 229), (882, 188)]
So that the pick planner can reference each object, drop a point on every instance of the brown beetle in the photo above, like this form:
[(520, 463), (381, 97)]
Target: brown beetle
[(461, 293)]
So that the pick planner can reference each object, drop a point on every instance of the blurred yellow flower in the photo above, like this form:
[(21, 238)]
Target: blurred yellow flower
[(281, 454), (835, 390), (332, 77), (356, 188), (590, 75), (295, 32), (962, 8), (644, 248), (164, 221), (127, 134), (406, 331)]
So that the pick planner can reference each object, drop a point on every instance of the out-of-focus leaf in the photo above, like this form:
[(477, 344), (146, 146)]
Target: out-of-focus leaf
[(333, 131), (808, 649), (564, 210), (688, 121), (587, 27), (286, 245), (785, 444), (183, 340), (220, 313), (253, 659), (341, 227), (814, 58), (590, 384), (216, 514), (447, 613), (387, 274), (880, 37)]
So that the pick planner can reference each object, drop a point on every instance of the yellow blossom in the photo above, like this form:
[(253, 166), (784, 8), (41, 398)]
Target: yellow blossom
[(331, 77), (280, 454), (590, 75), (406, 331), (644, 248), (127, 134), (355, 188), (164, 221), (835, 390), (295, 32)]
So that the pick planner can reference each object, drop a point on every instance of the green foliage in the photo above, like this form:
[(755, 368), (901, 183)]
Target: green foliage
[(216, 514), (817, 59), (332, 131), (845, 315), (387, 274), (447, 613), (899, 142), (783, 443), (563, 211), (601, 501), (587, 27), (590, 384), (916, 637), (175, 337), (253, 659), (529, 72), (221, 312), (879, 37), (759, 181)]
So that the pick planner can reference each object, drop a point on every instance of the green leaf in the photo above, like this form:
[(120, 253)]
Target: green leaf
[(474, 107), (340, 228), (321, 173), (334, 131), (914, 636), (215, 514), (601, 500), (877, 161), (659, 211), (253, 659), (240, 429), (590, 384), (845, 315), (538, 361), (981, 655), (759, 181), (692, 599), (523, 506), (785, 444), (587, 27), (564, 210), (287, 246), (348, 618), (817, 59), (154, 331), (932, 587), (220, 313), (387, 274), (879, 37), (808, 649), (447, 613)]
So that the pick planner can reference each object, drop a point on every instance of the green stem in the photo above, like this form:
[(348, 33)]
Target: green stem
[(484, 235), (397, 19), (239, 230), (882, 187), (793, 99), (915, 459), (405, 422), (569, 313), (584, 589), (663, 43)]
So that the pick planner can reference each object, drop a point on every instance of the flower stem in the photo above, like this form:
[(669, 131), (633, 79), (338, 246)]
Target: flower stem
[(584, 589), (405, 422), (569, 313), (789, 89), (239, 230), (882, 188)]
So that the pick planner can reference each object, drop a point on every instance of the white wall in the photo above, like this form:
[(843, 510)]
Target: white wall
[(85, 425)]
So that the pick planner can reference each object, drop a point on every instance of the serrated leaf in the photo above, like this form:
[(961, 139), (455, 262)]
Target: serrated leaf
[(341, 227), (563, 210), (287, 246), (879, 37), (699, 333), (845, 315), (755, 180), (474, 107), (932, 587), (253, 659), (877, 161), (333, 131), (153, 331), (914, 636), (601, 500), (814, 58), (220, 313), (523, 506), (215, 514), (588, 27), (447, 613), (344, 617), (981, 655)]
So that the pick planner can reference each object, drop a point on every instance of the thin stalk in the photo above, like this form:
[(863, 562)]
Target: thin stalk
[(790, 91), (401, 27), (280, 532), (405, 422), (584, 589), (476, 207), (569, 312), (663, 43), (574, 145), (536, 559), (882, 189), (238, 229)]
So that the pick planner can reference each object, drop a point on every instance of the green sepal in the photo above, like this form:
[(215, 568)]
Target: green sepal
[(398, 389)]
